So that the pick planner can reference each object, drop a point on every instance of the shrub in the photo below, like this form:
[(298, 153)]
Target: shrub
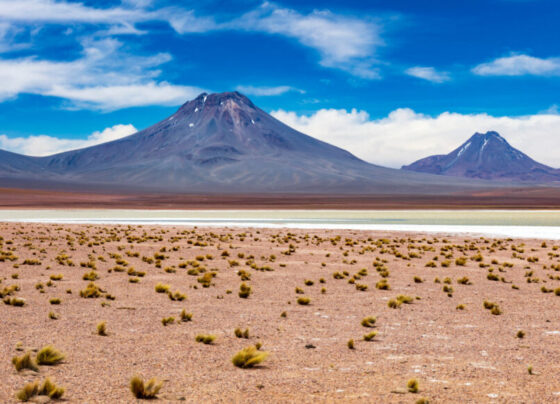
[(56, 277), (48, 388), (14, 301), (248, 357), (244, 291), (405, 299), (52, 315), (417, 279), (90, 276), (461, 261), (520, 334), (161, 288), (25, 362), (412, 385), (28, 391), (177, 296), (185, 317), (368, 321), (304, 301), (49, 356), (143, 390), (496, 311), (463, 281), (382, 285), (91, 291), (102, 329), (350, 344), (205, 338), (239, 333), (55, 300), (167, 320), (393, 304), (370, 336)]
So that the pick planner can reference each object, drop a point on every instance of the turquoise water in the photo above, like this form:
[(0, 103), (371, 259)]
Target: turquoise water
[(512, 223)]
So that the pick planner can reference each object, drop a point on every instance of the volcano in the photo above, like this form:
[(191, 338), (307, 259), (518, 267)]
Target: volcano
[(486, 156), (216, 143)]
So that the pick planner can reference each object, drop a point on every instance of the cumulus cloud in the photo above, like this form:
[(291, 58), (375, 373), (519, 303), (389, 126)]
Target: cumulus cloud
[(345, 43), (405, 136), (428, 73), (104, 78), (267, 91), (519, 65), (43, 145)]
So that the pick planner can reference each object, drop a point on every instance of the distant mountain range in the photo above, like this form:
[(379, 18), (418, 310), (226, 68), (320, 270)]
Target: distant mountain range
[(223, 143), (486, 156)]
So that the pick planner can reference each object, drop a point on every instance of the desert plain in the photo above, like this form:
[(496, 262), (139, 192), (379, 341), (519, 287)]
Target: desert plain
[(470, 319)]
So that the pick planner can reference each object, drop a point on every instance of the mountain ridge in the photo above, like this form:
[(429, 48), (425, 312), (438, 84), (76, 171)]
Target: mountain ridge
[(220, 143)]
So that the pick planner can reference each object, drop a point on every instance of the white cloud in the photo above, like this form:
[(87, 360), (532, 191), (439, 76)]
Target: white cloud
[(43, 145), (405, 136), (345, 43), (519, 65), (267, 91), (428, 73), (103, 78)]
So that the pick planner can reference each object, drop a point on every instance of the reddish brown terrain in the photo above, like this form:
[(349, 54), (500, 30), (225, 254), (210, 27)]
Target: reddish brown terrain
[(438, 331), (507, 198)]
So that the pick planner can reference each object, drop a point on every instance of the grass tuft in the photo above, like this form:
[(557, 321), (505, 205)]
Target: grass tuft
[(248, 357), (49, 356), (143, 390)]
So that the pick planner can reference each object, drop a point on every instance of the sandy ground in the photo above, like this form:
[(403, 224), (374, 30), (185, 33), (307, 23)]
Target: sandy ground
[(456, 355)]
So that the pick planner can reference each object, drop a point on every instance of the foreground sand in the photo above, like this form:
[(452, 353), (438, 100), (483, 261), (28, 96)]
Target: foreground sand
[(456, 355)]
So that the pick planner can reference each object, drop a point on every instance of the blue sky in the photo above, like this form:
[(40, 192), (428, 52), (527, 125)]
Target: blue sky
[(100, 69)]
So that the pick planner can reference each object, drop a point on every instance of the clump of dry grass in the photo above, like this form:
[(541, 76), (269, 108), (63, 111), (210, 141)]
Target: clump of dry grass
[(55, 300), (161, 288), (205, 338), (350, 344), (249, 357), (167, 320), (25, 362), (48, 389), (49, 356), (244, 291), (177, 296), (239, 333), (185, 317), (92, 291), (370, 336), (102, 328), (304, 301), (412, 385), (143, 390), (14, 301), (368, 321)]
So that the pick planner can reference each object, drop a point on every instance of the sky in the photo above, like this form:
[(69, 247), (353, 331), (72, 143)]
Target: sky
[(390, 81)]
